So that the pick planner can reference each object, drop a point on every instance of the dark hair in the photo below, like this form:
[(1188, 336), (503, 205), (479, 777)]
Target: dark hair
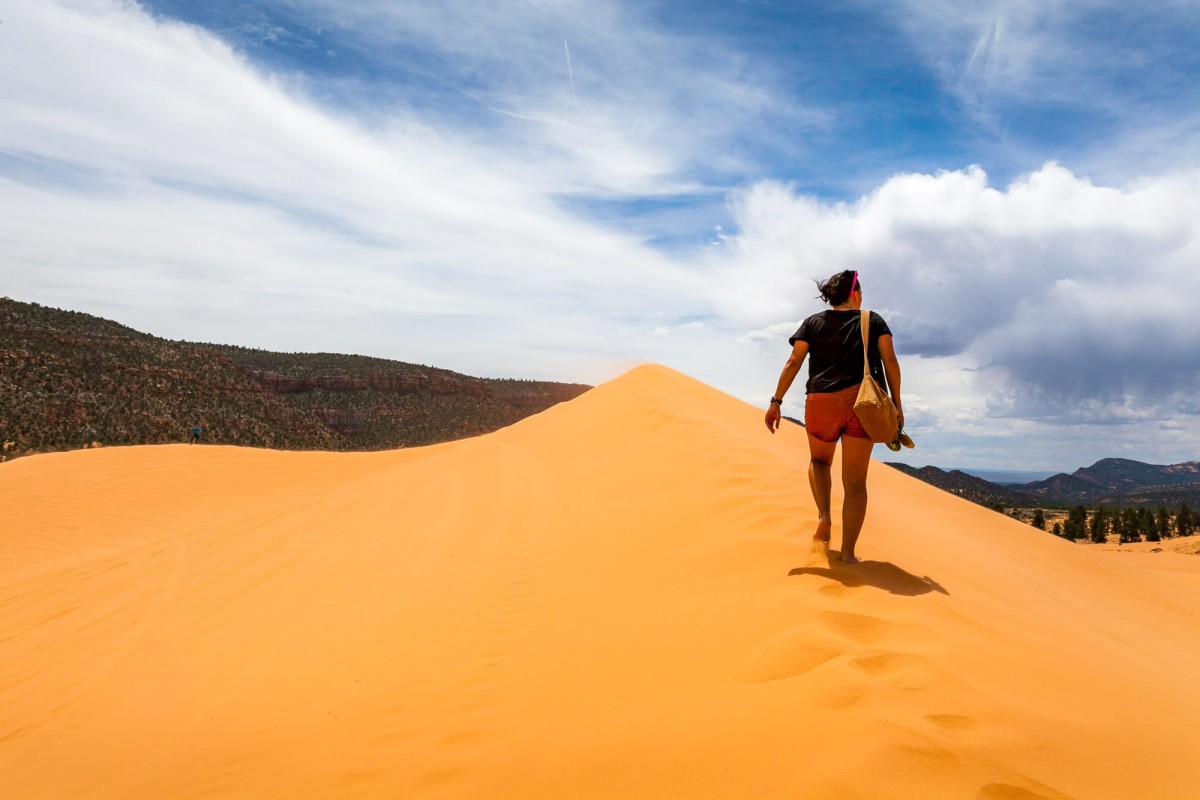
[(837, 289)]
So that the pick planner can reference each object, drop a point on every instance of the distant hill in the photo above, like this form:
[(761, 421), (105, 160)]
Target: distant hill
[(975, 489), (1121, 481), (1110, 481), (71, 380)]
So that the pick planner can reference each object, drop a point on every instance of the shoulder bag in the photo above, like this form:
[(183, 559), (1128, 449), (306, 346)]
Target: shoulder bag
[(873, 406)]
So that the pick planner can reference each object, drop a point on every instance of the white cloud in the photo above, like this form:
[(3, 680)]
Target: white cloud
[(641, 112), (1052, 300), (770, 334), (1115, 80), (1042, 48), (154, 175), (150, 161)]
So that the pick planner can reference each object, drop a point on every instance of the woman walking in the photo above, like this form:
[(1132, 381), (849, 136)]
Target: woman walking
[(833, 340)]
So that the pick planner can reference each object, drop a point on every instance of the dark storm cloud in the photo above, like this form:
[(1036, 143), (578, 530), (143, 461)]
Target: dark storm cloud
[(1098, 356)]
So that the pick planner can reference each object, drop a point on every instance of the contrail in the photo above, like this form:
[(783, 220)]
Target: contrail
[(571, 74)]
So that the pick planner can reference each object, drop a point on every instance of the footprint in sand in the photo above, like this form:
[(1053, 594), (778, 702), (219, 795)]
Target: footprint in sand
[(785, 656), (901, 670), (463, 737), (441, 777), (1006, 791), (933, 758), (855, 627), (838, 695), (952, 723)]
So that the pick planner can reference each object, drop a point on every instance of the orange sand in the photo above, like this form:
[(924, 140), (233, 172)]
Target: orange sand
[(612, 599)]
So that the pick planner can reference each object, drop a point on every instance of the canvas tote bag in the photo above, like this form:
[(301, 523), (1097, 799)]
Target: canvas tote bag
[(873, 406)]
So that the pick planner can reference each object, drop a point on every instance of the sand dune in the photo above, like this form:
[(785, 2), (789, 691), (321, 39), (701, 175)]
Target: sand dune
[(612, 599)]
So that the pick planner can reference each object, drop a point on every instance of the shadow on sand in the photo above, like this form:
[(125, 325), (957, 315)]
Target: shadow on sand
[(880, 574)]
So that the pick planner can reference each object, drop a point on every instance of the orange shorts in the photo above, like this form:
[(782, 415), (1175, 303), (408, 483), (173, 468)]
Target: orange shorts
[(828, 416)]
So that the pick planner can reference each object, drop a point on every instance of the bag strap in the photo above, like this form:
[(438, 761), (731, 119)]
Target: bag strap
[(864, 325)]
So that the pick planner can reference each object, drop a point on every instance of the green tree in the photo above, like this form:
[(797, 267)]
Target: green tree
[(1039, 519), (1117, 525), (1076, 524), (1146, 526), (1162, 523), (1058, 529), (1185, 521), (1130, 529), (1101, 521)]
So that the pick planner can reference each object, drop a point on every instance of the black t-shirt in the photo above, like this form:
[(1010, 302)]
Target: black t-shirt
[(835, 358)]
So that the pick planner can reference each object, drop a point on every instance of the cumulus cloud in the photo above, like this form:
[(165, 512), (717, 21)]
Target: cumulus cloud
[(771, 333), (1070, 300)]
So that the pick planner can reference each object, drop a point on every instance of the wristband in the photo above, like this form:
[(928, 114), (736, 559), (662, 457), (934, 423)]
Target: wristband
[(776, 401)]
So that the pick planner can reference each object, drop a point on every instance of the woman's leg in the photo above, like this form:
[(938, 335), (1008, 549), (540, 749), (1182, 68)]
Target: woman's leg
[(821, 483), (856, 458)]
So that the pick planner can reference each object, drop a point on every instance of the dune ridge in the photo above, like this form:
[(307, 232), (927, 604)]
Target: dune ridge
[(613, 598)]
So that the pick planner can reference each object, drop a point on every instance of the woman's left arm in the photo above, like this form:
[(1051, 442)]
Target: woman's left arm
[(891, 369)]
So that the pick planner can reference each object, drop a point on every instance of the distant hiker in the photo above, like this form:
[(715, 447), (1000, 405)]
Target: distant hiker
[(195, 435), (834, 340)]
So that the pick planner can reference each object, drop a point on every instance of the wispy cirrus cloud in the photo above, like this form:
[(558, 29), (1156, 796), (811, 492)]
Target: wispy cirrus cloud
[(147, 158), (1106, 85), (638, 110)]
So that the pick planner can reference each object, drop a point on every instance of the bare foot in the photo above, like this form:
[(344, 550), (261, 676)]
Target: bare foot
[(821, 537), (850, 559)]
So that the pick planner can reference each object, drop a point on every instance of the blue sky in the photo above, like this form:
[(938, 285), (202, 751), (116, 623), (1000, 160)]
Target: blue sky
[(562, 190)]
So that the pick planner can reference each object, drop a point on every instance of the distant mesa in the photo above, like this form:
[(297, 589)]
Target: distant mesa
[(396, 382), (70, 380), (1110, 481)]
